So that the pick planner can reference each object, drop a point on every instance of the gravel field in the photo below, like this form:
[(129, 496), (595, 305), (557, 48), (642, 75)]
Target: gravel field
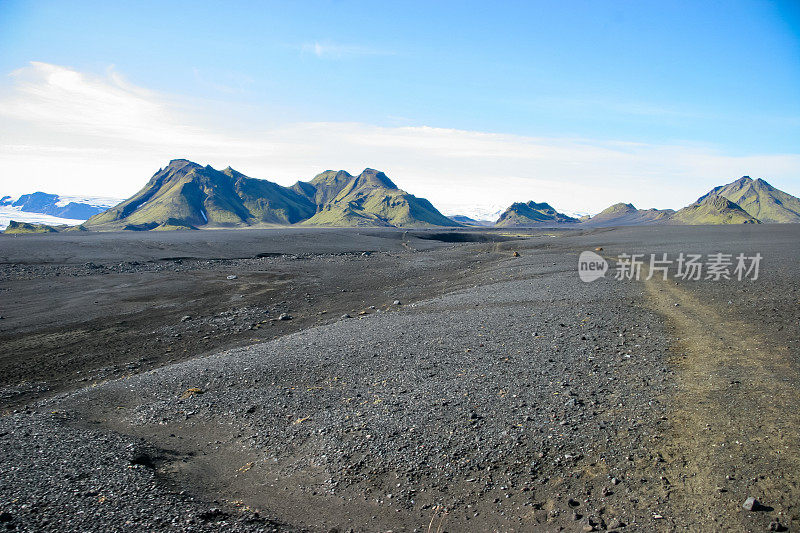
[(450, 386)]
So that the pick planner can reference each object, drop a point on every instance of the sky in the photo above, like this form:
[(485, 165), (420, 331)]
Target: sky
[(473, 105)]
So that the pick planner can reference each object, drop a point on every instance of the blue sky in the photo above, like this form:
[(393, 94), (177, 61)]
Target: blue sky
[(613, 91)]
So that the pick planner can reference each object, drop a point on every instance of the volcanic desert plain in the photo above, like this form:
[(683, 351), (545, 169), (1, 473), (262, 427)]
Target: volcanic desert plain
[(381, 379)]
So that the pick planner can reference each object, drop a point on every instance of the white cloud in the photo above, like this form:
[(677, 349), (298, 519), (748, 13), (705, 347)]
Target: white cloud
[(331, 50), (67, 132)]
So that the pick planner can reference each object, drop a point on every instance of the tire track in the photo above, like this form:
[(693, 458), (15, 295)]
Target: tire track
[(735, 418)]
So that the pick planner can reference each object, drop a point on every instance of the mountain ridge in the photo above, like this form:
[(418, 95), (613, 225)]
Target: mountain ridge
[(189, 196)]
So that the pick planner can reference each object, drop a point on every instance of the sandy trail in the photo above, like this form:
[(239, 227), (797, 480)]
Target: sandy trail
[(735, 417)]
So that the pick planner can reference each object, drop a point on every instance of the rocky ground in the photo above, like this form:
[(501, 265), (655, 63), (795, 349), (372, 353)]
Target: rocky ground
[(500, 393)]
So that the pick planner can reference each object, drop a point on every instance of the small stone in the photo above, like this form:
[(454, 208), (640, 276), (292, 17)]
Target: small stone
[(777, 526), (598, 249), (614, 481), (751, 504), (396, 302), (186, 318), (6, 517), (573, 503), (233, 276), (285, 316), (346, 316), (516, 254)]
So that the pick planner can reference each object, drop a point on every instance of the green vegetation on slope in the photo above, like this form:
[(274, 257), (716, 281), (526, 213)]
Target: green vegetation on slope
[(712, 210), (370, 199), (186, 195), (532, 213), (15, 227), (760, 199)]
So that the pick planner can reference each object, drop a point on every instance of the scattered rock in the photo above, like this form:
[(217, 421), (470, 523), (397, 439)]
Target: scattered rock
[(191, 391), (751, 504), (598, 249), (516, 254), (573, 503), (396, 302), (777, 526), (346, 316), (233, 276), (615, 523), (285, 316), (212, 514), (186, 318)]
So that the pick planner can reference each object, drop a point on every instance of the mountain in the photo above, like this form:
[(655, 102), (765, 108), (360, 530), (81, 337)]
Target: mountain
[(185, 195), (51, 209), (74, 208), (627, 215), (760, 199), (15, 227), (712, 210), (467, 221), (369, 199), (532, 214)]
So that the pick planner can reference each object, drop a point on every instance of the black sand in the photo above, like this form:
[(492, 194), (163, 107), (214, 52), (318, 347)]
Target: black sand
[(503, 394)]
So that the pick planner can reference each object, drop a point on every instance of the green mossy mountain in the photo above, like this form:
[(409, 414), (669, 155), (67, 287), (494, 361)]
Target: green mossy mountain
[(185, 195), (711, 210), (17, 228), (369, 199), (532, 214), (760, 199)]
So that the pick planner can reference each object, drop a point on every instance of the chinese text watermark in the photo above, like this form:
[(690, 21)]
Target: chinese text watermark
[(683, 266)]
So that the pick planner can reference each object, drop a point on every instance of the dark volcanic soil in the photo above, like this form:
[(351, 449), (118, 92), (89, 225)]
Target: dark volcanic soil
[(82, 308), (502, 394)]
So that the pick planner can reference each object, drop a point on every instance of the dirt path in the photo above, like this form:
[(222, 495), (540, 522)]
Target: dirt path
[(735, 418)]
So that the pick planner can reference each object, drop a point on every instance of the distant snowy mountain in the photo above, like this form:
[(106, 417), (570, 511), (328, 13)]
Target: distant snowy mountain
[(44, 208), (474, 212)]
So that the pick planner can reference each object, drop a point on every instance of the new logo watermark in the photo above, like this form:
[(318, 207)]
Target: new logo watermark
[(684, 266), (591, 266)]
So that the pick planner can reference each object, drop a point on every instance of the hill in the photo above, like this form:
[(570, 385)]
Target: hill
[(15, 227), (468, 221), (627, 215), (369, 199), (712, 210), (760, 199), (532, 214)]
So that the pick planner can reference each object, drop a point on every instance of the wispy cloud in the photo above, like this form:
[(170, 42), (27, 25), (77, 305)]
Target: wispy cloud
[(331, 50), (66, 131)]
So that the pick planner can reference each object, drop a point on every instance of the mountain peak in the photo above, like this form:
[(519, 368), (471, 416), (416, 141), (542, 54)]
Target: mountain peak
[(759, 199), (180, 163), (532, 213), (376, 178), (713, 208)]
